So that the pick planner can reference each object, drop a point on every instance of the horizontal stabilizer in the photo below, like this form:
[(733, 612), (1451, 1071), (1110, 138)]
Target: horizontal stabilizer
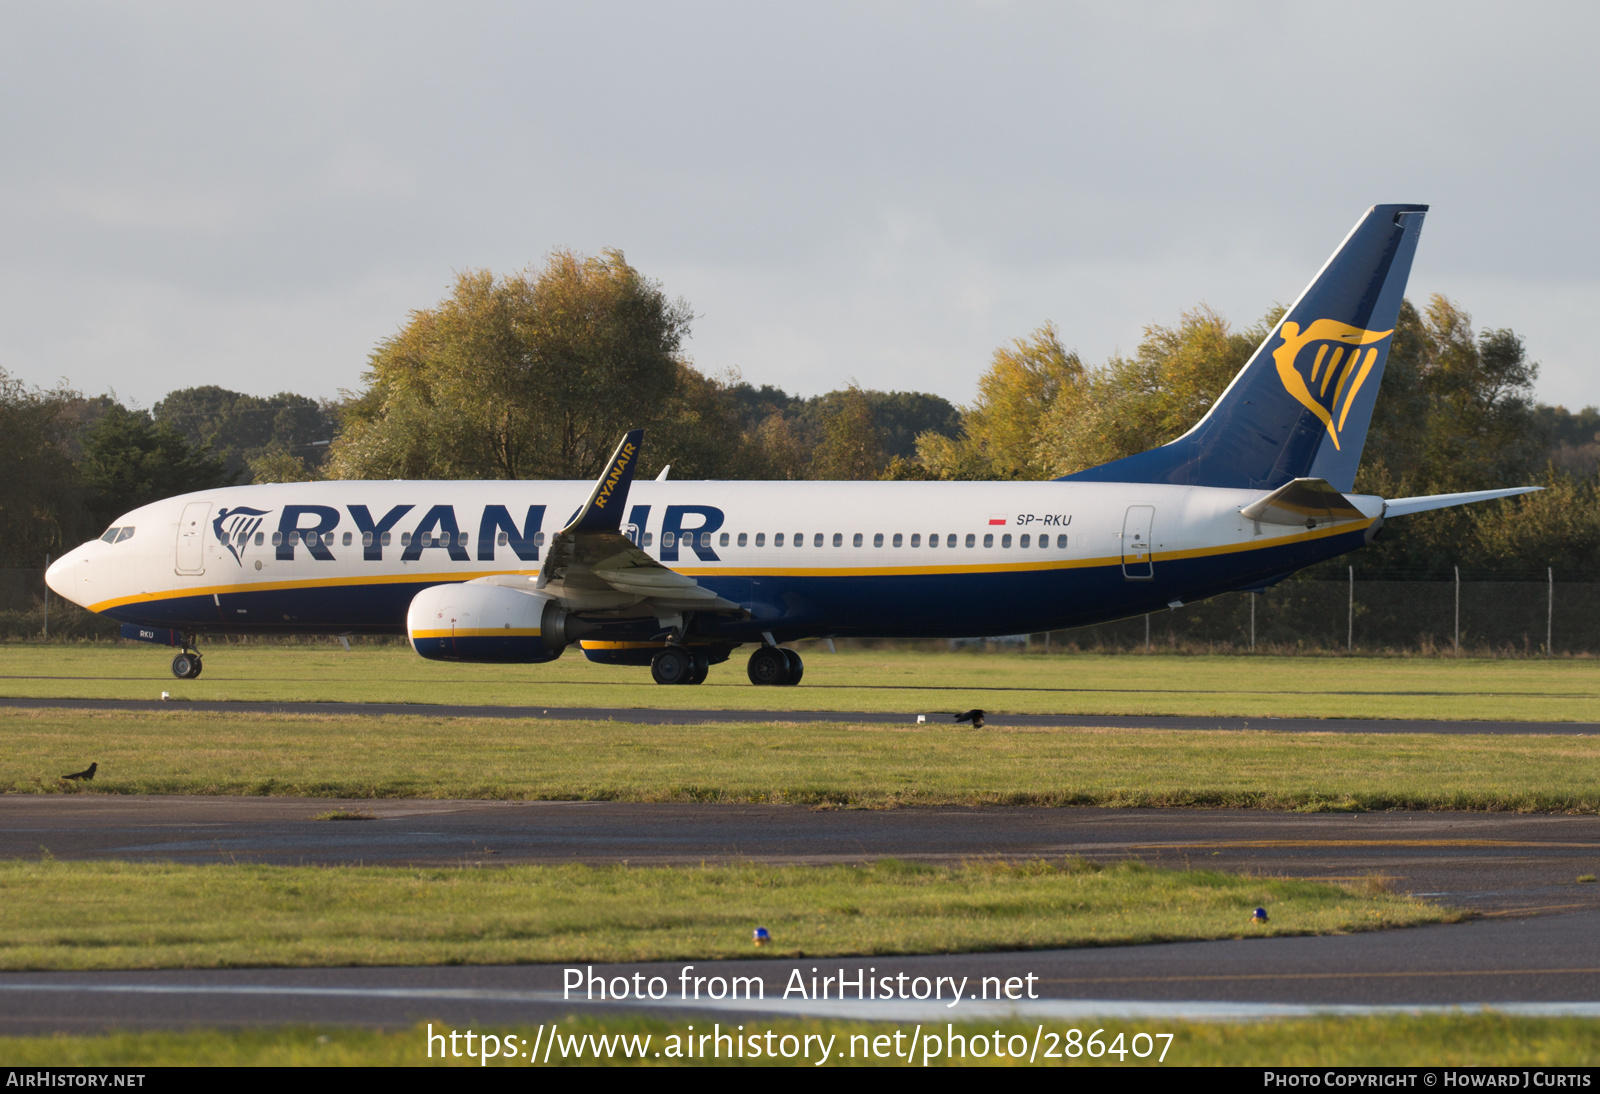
[(1402, 506), (1306, 502)]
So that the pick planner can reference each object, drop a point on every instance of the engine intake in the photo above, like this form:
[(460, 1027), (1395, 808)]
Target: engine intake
[(489, 623)]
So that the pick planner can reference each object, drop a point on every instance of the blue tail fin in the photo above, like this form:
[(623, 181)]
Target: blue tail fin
[(1300, 407)]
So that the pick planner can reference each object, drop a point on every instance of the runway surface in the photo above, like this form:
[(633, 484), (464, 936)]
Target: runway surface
[(1537, 941), (660, 716)]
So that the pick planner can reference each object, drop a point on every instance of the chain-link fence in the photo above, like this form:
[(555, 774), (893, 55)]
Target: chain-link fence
[(1496, 614), (1478, 614)]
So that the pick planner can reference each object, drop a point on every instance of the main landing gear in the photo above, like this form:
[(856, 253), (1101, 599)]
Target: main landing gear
[(676, 665), (186, 666), (775, 666)]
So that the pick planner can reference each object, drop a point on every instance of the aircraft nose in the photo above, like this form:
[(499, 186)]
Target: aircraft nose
[(62, 576)]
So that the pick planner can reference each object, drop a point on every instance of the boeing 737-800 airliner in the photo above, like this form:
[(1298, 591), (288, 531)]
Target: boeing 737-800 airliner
[(677, 574)]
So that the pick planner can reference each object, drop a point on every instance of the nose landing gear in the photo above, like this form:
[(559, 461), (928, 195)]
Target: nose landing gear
[(186, 666)]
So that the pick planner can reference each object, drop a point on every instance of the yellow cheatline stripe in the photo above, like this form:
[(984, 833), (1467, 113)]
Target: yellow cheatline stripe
[(274, 586), (480, 632), (591, 644), (691, 570)]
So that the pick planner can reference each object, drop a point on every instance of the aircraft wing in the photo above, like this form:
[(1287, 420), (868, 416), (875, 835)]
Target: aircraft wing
[(590, 565)]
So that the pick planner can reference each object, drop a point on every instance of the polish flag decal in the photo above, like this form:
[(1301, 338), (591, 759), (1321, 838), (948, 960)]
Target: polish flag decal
[(997, 518)]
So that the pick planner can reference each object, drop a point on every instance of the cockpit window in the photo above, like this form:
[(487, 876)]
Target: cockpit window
[(111, 535), (125, 535)]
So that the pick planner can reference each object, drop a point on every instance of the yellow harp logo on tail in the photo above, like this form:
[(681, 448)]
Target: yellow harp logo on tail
[(1333, 374)]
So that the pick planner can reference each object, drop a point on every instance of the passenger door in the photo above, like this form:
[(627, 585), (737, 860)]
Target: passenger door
[(192, 538), (1137, 562)]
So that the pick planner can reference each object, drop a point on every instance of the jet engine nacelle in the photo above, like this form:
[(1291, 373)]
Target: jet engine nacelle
[(491, 623)]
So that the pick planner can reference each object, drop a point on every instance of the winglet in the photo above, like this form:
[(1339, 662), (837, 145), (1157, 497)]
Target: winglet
[(603, 511)]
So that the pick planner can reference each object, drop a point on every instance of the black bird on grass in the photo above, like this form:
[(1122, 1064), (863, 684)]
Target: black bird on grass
[(975, 716), (86, 774)]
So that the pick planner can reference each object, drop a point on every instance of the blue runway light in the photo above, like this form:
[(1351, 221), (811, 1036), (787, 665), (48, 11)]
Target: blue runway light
[(1260, 916), (760, 937)]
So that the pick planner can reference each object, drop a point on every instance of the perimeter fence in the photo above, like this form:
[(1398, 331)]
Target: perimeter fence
[(1528, 614)]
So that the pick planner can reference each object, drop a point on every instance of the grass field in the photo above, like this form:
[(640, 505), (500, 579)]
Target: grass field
[(188, 752), (176, 916), (909, 681), (1467, 1040)]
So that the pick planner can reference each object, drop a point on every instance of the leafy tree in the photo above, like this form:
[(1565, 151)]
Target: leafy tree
[(41, 507), (534, 375), (130, 460), (242, 429), (1131, 404), (851, 445), (1001, 431)]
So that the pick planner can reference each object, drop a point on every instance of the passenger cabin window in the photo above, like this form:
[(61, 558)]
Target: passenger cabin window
[(348, 539), (1061, 541), (1025, 540), (897, 539), (777, 540), (649, 538), (743, 539), (723, 539), (705, 539), (1005, 540), (838, 539), (366, 539), (405, 539), (951, 541), (761, 539), (259, 537), (387, 538), (667, 539), (816, 540), (972, 540), (857, 540), (877, 539), (502, 539), (277, 539), (916, 539), (933, 540)]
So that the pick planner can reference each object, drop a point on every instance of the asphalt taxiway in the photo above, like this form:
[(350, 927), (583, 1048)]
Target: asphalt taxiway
[(666, 716)]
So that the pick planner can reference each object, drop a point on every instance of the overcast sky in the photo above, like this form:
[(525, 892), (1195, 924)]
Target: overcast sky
[(253, 195)]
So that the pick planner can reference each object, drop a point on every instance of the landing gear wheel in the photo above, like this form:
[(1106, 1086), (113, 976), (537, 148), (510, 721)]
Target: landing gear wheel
[(700, 669), (797, 667), (671, 666), (186, 666), (769, 667)]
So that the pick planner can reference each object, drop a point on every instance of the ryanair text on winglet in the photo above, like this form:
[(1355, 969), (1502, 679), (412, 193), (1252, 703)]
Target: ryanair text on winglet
[(616, 474)]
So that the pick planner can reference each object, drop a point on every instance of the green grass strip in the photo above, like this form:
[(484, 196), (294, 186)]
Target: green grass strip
[(895, 680), (1477, 1040), (115, 915), (181, 752)]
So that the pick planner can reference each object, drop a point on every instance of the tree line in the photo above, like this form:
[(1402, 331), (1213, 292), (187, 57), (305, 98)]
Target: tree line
[(535, 374)]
